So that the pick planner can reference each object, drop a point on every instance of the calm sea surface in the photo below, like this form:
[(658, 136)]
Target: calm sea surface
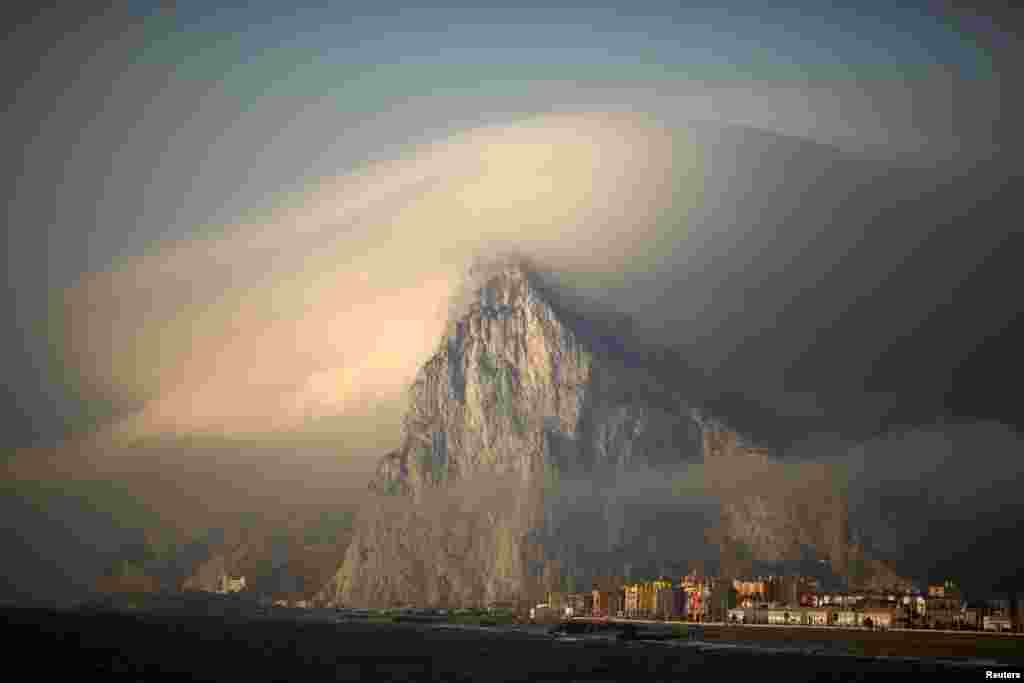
[(151, 647)]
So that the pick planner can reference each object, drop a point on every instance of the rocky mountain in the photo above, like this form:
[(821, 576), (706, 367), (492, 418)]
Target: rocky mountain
[(524, 398), (775, 512), (519, 386)]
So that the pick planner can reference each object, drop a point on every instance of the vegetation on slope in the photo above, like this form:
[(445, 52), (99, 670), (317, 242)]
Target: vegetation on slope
[(494, 372)]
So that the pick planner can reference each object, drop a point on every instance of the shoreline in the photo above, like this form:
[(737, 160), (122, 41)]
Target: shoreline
[(163, 645), (982, 648), (918, 644)]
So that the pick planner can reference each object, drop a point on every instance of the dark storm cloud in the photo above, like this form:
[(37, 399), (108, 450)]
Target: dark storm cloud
[(850, 265), (938, 501)]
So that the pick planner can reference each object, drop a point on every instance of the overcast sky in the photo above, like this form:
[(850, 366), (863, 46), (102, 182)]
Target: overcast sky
[(240, 221)]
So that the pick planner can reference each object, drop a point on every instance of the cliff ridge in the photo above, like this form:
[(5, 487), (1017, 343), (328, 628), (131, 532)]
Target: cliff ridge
[(523, 391)]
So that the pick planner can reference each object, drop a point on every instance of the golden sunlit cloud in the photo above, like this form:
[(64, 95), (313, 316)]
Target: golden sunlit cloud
[(329, 307)]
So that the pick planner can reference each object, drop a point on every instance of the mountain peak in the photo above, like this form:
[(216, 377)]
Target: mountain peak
[(522, 386), (507, 263), (504, 283)]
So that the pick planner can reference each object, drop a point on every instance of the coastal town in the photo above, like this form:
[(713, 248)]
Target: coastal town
[(782, 600), (770, 600)]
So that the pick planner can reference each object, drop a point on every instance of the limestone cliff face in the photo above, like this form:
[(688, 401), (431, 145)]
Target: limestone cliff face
[(453, 551), (522, 390), (514, 389), (781, 511), (776, 508)]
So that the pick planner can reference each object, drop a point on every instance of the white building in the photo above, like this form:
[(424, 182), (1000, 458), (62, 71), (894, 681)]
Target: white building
[(749, 615), (783, 615), (848, 618), (881, 617), (798, 616), (816, 617), (230, 584), (996, 623)]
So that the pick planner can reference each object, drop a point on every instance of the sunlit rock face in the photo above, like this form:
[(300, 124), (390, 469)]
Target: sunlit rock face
[(520, 392), (463, 549), (523, 391), (515, 388)]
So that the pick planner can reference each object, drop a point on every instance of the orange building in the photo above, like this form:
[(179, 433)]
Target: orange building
[(607, 603), (946, 589), (750, 589)]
